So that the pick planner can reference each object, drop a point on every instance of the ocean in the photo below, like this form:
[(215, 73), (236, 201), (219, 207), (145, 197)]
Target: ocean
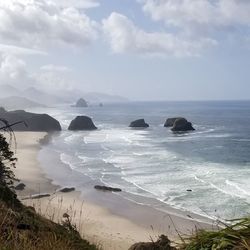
[(154, 165)]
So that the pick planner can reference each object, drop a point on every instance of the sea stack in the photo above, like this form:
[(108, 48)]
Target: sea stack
[(81, 103), (82, 123), (181, 125), (140, 123), (170, 121)]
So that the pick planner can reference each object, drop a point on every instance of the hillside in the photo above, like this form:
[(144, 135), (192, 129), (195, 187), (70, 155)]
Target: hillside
[(18, 102), (23, 229)]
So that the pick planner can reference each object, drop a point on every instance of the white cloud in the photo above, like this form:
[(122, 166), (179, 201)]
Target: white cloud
[(55, 68), (186, 13), (124, 36), (13, 70), (15, 50), (40, 23), (84, 4)]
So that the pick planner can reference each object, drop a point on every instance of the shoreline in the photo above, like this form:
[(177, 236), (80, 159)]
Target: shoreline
[(105, 219)]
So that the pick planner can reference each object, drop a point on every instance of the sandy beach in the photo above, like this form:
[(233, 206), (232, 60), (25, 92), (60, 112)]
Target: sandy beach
[(97, 221)]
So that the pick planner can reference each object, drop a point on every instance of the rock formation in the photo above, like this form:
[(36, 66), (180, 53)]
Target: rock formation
[(67, 190), (162, 243), (32, 121), (82, 123), (181, 125), (20, 186), (139, 124), (105, 188), (81, 103), (170, 121)]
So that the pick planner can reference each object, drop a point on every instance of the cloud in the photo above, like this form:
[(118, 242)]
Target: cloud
[(16, 72), (190, 13), (13, 70), (124, 36), (40, 23), (55, 68), (15, 50), (83, 4)]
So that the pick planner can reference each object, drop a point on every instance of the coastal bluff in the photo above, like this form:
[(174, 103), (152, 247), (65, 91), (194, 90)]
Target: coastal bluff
[(30, 121)]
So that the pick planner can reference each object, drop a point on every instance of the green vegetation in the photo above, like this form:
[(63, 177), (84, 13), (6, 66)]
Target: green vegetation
[(25, 229), (21, 228), (235, 237), (231, 237)]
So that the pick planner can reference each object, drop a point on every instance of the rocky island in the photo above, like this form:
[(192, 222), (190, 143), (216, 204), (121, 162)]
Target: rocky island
[(82, 123)]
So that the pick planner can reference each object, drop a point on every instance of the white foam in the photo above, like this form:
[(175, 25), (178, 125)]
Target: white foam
[(237, 187), (67, 159)]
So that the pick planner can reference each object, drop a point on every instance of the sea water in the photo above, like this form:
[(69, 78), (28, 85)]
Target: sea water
[(213, 161)]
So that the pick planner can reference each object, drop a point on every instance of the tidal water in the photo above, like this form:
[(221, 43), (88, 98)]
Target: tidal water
[(213, 161)]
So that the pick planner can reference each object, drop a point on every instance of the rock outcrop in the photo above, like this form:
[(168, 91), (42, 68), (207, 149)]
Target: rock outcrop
[(67, 190), (81, 103), (31, 121), (140, 123), (170, 121), (20, 186), (82, 123), (181, 125), (162, 243), (105, 188)]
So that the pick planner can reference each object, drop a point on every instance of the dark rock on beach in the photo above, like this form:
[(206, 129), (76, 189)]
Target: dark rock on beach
[(162, 243), (20, 186), (181, 125), (140, 123), (105, 188), (81, 103), (36, 196), (31, 121), (67, 190), (170, 121), (82, 123)]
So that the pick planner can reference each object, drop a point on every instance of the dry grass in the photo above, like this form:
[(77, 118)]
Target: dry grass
[(22, 228)]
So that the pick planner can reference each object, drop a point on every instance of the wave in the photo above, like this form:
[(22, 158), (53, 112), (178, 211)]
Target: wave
[(237, 187), (66, 159), (225, 190)]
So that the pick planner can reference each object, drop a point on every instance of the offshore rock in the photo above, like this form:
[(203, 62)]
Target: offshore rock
[(82, 123), (81, 103), (140, 123), (181, 125), (170, 121)]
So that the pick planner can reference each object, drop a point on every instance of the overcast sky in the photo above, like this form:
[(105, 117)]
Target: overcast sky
[(140, 49)]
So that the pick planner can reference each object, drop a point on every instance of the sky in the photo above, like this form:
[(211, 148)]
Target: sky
[(140, 49)]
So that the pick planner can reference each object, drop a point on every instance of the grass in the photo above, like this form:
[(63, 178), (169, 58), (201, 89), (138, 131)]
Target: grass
[(43, 233), (23, 229), (235, 236)]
